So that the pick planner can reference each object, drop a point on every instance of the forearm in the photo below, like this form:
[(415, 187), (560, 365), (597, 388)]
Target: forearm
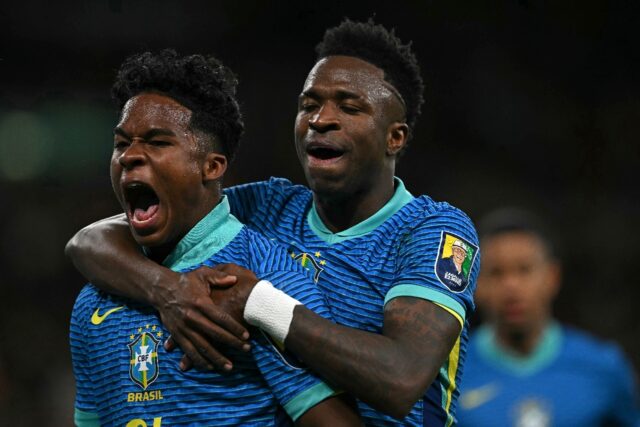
[(389, 371), (374, 368), (119, 266)]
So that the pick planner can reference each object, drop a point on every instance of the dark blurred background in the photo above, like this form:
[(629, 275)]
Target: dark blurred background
[(529, 103)]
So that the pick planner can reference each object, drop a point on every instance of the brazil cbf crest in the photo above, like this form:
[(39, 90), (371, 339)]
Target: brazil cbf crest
[(455, 259), (143, 358), (312, 262)]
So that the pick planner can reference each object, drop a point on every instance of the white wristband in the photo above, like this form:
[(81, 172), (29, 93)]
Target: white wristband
[(270, 309)]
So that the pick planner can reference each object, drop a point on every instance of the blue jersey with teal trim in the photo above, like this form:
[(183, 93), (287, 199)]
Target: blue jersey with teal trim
[(125, 377), (393, 253), (570, 380)]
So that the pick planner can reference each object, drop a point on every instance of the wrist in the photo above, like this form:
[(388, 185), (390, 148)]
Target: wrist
[(159, 286), (270, 309)]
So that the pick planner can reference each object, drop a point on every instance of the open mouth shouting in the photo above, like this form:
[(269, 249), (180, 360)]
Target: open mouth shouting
[(142, 206), (323, 154)]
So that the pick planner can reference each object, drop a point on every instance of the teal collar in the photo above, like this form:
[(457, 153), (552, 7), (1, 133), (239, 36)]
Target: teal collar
[(545, 352), (400, 198), (206, 238)]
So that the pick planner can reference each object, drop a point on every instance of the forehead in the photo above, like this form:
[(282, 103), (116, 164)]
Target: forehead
[(512, 246), (348, 73), (151, 110)]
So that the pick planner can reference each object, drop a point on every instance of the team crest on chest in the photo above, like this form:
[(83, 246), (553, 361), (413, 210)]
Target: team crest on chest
[(143, 355), (455, 259), (312, 262)]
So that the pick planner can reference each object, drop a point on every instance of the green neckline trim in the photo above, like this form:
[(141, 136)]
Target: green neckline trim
[(400, 198), (206, 238), (544, 353)]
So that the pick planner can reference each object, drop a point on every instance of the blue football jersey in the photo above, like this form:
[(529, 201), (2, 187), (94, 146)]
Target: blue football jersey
[(124, 376), (393, 253), (569, 380)]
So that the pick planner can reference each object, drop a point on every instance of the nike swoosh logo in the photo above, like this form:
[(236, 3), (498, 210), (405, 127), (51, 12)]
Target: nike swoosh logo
[(478, 396), (97, 318)]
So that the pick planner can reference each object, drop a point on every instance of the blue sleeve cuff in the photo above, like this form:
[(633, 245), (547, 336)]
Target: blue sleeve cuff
[(86, 419), (308, 399), (428, 294)]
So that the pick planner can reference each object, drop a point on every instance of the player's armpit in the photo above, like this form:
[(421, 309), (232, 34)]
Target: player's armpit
[(336, 411)]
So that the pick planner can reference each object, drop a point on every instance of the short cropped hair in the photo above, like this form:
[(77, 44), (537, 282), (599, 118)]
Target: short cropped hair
[(375, 44), (516, 220), (200, 83)]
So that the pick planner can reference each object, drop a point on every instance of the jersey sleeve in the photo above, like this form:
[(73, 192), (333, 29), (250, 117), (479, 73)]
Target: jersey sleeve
[(85, 413), (625, 400), (427, 266), (247, 199), (296, 388)]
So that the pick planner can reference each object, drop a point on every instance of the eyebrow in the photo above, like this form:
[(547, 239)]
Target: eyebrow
[(340, 94), (149, 135)]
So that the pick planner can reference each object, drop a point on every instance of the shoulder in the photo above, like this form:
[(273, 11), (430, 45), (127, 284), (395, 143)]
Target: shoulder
[(586, 348), (268, 254), (426, 219)]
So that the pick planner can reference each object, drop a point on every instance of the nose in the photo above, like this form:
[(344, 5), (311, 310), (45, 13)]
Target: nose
[(133, 156), (325, 119)]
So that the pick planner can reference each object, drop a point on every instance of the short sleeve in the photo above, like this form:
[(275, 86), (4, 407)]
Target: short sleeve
[(295, 387), (625, 400), (246, 199), (438, 260), (85, 408)]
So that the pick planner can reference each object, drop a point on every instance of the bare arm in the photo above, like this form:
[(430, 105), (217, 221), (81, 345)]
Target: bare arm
[(389, 371), (107, 255)]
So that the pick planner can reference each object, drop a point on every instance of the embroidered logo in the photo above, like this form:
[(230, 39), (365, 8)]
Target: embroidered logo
[(143, 356), (455, 259), (98, 318), (312, 262)]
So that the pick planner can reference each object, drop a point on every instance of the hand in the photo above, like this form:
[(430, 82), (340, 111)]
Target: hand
[(196, 324), (232, 299)]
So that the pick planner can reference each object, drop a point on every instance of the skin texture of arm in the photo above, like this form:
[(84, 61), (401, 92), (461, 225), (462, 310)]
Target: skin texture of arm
[(389, 371), (108, 256)]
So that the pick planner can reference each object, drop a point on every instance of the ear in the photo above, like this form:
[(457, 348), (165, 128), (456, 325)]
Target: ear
[(397, 137), (215, 165), (554, 277)]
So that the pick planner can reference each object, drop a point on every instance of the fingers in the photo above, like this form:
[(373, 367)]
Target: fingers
[(170, 344), (216, 277), (200, 354), (219, 328)]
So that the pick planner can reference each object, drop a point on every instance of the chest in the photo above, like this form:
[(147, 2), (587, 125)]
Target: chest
[(133, 379), (354, 275), (562, 395)]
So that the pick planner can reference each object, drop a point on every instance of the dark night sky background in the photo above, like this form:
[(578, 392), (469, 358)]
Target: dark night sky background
[(529, 103)]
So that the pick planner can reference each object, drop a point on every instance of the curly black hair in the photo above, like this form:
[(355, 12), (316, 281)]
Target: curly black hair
[(200, 83), (375, 44), (508, 220)]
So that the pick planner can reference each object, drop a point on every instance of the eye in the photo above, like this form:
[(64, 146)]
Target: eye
[(120, 144), (307, 107), (159, 143), (350, 108)]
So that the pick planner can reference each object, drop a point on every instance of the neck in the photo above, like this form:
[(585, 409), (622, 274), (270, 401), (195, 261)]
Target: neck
[(521, 341), (207, 204), (341, 213)]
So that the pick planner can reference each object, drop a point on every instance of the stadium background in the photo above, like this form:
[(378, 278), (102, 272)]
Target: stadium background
[(529, 103)]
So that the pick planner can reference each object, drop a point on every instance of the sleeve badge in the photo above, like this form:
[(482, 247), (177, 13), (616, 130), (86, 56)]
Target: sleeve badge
[(454, 261)]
